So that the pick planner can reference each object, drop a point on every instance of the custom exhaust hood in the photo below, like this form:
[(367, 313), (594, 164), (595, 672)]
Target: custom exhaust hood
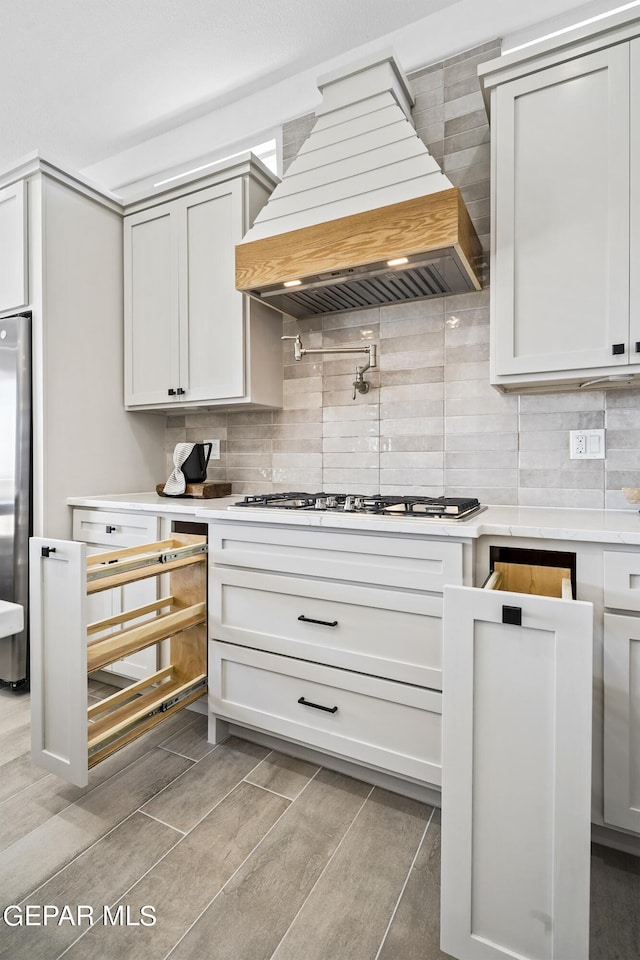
[(364, 215)]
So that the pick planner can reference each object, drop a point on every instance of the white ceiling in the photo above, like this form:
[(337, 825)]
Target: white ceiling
[(87, 81)]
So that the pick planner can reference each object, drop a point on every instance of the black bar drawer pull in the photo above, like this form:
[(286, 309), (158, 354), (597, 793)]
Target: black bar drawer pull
[(617, 349), (317, 706), (323, 623), (512, 615)]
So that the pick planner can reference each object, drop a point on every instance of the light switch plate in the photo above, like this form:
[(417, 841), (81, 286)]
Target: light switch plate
[(586, 444)]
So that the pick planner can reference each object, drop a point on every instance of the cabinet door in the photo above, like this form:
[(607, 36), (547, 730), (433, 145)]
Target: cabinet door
[(151, 306), (211, 309), (634, 206), (622, 721), (561, 231), (58, 616), (13, 247), (516, 784)]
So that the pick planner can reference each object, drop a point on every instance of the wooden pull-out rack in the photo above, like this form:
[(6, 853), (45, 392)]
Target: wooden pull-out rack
[(65, 741)]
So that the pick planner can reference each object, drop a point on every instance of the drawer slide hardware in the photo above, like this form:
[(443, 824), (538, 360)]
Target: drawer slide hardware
[(107, 568), (323, 623), (114, 720), (317, 706)]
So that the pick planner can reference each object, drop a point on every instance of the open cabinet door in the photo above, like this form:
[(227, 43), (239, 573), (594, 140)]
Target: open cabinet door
[(516, 776), (58, 657)]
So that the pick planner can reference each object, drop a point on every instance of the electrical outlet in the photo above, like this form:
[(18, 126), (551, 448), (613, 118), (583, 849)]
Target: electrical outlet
[(215, 449), (586, 444)]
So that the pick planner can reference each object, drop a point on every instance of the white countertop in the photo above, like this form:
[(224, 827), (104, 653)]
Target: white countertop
[(141, 503), (11, 618), (550, 523)]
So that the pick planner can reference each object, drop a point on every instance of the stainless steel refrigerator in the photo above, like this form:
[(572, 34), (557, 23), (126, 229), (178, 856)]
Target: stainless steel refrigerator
[(15, 486)]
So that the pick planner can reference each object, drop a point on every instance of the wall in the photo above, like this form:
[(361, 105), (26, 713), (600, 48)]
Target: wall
[(431, 423)]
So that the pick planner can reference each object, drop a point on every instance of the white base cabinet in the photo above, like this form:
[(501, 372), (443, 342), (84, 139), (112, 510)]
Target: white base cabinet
[(622, 721), (393, 727), (622, 690), (516, 782), (332, 639)]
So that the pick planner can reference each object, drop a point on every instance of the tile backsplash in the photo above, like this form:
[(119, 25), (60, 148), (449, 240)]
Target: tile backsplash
[(431, 423)]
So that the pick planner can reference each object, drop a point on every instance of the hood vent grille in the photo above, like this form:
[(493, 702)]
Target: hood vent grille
[(363, 190), (368, 289), (369, 292)]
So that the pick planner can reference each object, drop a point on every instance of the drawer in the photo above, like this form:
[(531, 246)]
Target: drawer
[(114, 529), (391, 726), (386, 633), (410, 563), (622, 580)]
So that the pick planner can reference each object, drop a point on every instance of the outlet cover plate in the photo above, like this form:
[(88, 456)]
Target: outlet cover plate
[(215, 449), (586, 444)]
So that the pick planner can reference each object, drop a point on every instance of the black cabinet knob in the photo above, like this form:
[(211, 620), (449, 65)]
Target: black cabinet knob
[(180, 391), (171, 392), (637, 346), (110, 529), (617, 348)]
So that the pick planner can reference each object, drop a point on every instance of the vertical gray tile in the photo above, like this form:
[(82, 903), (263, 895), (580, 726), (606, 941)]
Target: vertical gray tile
[(51, 845), (615, 894), (183, 803), (252, 913), (414, 932), (95, 879), (282, 774), (349, 909), (188, 878)]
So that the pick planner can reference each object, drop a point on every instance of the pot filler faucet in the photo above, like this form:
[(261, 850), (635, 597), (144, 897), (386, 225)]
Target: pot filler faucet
[(360, 385)]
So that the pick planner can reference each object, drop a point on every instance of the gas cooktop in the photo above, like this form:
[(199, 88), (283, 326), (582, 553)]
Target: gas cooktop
[(427, 508)]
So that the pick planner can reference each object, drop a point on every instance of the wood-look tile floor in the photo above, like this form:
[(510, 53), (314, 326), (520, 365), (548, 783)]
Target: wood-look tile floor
[(243, 854)]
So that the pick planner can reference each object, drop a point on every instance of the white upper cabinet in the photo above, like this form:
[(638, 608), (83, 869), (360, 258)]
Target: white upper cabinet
[(13, 247), (566, 204), (190, 337), (634, 312), (151, 297)]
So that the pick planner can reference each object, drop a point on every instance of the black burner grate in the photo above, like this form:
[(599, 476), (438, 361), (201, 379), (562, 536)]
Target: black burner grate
[(378, 504)]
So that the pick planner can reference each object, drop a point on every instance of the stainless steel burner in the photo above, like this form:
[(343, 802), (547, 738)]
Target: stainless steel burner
[(452, 508)]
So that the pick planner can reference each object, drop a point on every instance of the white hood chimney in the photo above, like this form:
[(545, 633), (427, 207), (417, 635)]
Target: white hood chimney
[(363, 190)]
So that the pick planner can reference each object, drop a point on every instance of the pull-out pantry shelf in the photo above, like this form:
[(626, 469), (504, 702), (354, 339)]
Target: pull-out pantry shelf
[(68, 739), (124, 643)]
